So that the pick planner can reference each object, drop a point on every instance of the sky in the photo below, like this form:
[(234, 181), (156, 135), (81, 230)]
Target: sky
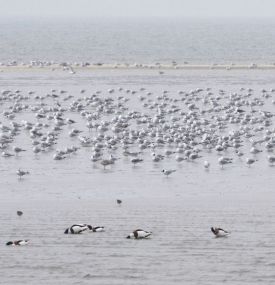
[(137, 8)]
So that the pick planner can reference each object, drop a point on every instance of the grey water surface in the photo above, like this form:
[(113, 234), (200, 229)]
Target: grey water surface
[(179, 210), (141, 40)]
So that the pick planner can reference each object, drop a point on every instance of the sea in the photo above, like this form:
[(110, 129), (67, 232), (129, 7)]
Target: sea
[(197, 41), (180, 209)]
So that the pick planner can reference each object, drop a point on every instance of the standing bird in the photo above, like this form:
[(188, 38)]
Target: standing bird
[(7, 154), (167, 172), (139, 234), (106, 162), (18, 149), (250, 161), (136, 160), (271, 159), (218, 232), (21, 173), (206, 164), (119, 201), (224, 160)]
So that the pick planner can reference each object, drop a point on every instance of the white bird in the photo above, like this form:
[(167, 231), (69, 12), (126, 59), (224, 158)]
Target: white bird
[(21, 173), (18, 149), (7, 154), (255, 150), (139, 234), (250, 161), (136, 160), (224, 160), (180, 158), (206, 164), (271, 159), (58, 156), (218, 232), (239, 153), (106, 162), (167, 172)]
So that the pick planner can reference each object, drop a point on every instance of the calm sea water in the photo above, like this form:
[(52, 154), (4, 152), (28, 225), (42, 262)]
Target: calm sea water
[(141, 41), (178, 210)]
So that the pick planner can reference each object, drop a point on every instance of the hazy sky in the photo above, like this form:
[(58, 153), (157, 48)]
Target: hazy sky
[(124, 8)]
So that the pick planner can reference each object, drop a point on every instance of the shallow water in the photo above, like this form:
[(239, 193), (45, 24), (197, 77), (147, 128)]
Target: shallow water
[(179, 210)]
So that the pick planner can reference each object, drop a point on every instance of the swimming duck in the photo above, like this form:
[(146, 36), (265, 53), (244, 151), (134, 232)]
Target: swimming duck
[(18, 242), (77, 229), (218, 232), (139, 234), (96, 229)]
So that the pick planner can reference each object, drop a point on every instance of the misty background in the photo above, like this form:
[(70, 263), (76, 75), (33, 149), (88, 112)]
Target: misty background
[(137, 8), (138, 31)]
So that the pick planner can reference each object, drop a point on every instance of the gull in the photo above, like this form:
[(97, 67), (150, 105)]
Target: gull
[(179, 158), (271, 159), (219, 148), (167, 172), (239, 153), (250, 161), (18, 149), (21, 173), (36, 149), (95, 157), (224, 160), (157, 157), (255, 150), (7, 154), (58, 156), (106, 162), (70, 121), (194, 156), (206, 164), (136, 160), (128, 153)]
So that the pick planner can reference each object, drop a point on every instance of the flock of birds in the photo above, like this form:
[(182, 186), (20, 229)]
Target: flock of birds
[(141, 125), (71, 66), (179, 125)]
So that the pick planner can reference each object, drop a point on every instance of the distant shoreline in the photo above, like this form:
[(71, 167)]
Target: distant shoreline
[(160, 67)]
